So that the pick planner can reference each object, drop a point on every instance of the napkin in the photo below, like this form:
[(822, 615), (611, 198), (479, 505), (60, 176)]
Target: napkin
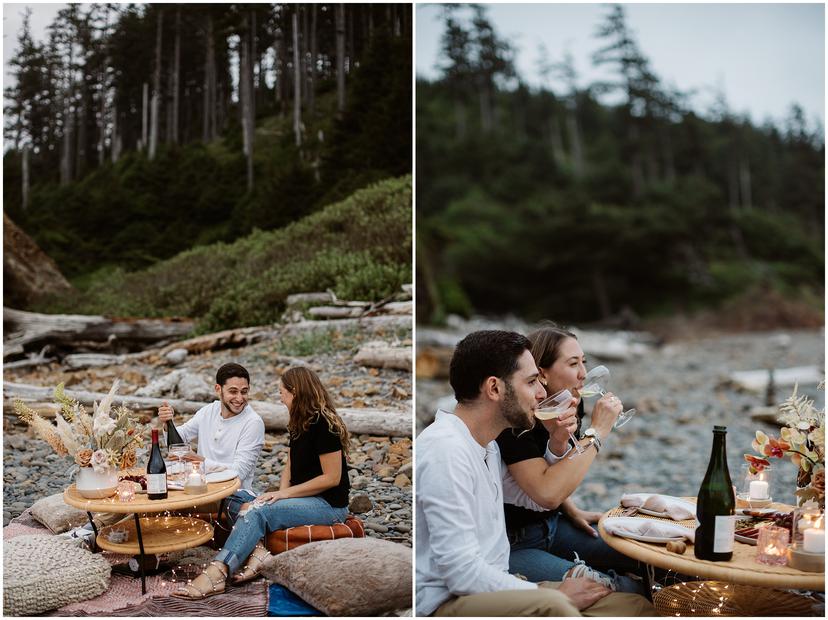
[(635, 526), (674, 507)]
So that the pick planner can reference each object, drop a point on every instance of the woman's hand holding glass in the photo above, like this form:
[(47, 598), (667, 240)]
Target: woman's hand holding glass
[(605, 413)]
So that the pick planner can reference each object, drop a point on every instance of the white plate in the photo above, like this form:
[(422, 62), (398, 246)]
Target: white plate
[(222, 476), (746, 540)]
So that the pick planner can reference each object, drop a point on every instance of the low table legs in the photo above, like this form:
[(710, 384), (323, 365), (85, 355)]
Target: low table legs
[(141, 547), (95, 530)]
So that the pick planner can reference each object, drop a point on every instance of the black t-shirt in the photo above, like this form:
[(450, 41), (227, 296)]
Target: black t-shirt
[(304, 460), (529, 445)]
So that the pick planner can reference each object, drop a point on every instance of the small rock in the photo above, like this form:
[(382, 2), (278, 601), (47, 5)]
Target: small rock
[(402, 528), (176, 356), (402, 481), (376, 527), (360, 504)]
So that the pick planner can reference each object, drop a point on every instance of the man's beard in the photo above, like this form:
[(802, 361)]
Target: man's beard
[(226, 404), (515, 416)]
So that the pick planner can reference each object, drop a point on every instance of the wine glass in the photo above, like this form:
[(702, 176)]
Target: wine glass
[(552, 407), (595, 384), (178, 451)]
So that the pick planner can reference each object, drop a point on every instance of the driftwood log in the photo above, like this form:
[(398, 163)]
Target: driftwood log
[(275, 415), (31, 331), (381, 355)]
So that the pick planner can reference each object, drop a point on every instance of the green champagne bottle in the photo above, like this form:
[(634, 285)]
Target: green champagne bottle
[(716, 506)]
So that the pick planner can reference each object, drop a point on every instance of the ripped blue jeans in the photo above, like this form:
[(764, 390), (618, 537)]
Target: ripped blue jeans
[(544, 551), (251, 527)]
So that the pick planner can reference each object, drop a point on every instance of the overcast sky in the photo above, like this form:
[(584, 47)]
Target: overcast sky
[(763, 56)]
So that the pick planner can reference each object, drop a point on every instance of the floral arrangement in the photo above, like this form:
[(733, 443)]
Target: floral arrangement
[(107, 438), (802, 438)]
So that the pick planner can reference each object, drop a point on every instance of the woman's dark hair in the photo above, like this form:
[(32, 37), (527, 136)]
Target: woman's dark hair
[(482, 354), (546, 343), (310, 398), (228, 371)]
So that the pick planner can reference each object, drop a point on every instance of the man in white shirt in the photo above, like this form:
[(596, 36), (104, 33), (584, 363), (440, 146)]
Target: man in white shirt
[(462, 549), (230, 433)]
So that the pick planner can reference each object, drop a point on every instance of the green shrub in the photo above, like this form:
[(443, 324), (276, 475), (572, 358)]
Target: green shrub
[(360, 248)]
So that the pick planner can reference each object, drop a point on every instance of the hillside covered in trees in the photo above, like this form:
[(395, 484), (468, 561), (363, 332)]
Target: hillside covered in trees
[(552, 203), (140, 131)]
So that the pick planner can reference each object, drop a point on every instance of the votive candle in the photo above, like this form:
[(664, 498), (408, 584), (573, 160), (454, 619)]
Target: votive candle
[(758, 489), (814, 541)]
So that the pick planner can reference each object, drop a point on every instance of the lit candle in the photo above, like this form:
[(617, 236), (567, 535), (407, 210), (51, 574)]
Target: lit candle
[(814, 540), (758, 489)]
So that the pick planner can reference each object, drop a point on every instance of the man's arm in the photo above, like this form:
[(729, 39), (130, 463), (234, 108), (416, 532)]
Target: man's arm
[(446, 495), (188, 430)]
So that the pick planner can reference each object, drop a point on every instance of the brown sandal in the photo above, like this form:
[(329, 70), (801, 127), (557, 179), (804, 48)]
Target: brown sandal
[(194, 592), (254, 563)]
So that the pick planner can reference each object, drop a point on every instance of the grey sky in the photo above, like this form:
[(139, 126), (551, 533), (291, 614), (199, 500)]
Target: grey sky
[(763, 56)]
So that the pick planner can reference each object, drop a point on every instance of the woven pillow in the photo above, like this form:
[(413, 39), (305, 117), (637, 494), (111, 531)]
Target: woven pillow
[(56, 515), (42, 572), (292, 537), (346, 577)]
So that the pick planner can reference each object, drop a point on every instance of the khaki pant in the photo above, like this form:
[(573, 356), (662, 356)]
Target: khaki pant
[(545, 601)]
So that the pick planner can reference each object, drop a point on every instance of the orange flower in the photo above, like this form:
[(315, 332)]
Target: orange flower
[(84, 457), (757, 463), (775, 448)]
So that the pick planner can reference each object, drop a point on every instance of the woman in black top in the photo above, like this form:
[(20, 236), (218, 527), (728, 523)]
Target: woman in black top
[(313, 491), (553, 538)]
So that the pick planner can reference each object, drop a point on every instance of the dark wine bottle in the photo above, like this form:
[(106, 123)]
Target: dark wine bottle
[(716, 506), (172, 434), (156, 471)]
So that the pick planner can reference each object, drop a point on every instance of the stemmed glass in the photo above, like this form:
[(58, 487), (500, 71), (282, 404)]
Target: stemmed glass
[(178, 451), (595, 384), (552, 407)]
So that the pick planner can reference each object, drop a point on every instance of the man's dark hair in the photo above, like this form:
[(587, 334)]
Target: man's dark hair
[(482, 354), (228, 371)]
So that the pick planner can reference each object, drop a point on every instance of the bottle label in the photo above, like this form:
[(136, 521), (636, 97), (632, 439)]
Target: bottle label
[(724, 534), (156, 483)]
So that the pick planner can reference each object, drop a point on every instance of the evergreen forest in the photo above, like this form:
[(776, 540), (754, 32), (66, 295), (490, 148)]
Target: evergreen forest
[(550, 202), (138, 132)]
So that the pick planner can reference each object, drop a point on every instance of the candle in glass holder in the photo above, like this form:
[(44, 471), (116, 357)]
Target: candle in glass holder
[(772, 545), (758, 489), (125, 490), (195, 482), (814, 540)]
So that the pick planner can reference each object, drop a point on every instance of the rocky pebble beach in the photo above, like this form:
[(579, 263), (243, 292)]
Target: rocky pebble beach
[(380, 467), (680, 390)]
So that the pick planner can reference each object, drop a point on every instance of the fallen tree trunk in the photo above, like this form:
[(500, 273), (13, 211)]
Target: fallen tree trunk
[(30, 331), (374, 322), (227, 339), (384, 356), (275, 415), (757, 380)]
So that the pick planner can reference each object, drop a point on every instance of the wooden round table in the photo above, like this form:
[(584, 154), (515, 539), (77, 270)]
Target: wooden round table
[(152, 534), (742, 568)]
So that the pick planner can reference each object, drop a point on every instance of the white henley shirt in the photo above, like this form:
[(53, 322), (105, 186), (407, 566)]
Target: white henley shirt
[(234, 442), (461, 529)]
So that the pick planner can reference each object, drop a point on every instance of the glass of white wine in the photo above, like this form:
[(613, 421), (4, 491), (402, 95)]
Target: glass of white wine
[(178, 451), (552, 407), (595, 384)]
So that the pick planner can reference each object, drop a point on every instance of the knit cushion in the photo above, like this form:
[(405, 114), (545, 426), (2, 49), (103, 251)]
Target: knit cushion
[(292, 537), (346, 577), (56, 515), (42, 572)]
